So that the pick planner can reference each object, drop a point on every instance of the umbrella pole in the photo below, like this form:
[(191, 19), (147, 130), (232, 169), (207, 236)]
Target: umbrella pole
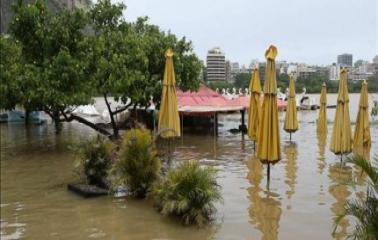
[(268, 174), (290, 137), (254, 146), (169, 151), (341, 159)]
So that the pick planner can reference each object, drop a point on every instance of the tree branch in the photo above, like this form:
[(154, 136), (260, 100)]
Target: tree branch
[(88, 123), (121, 109)]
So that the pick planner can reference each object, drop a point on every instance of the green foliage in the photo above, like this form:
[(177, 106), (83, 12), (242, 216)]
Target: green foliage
[(313, 83), (128, 58), (220, 85), (365, 211), (29, 27), (189, 192), (242, 80), (56, 67), (138, 166), (374, 110), (9, 73), (53, 68), (95, 159)]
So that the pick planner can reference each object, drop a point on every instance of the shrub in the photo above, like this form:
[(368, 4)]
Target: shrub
[(188, 192), (364, 211), (95, 159), (138, 165)]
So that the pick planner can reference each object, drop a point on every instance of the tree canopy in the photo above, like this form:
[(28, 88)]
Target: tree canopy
[(55, 65)]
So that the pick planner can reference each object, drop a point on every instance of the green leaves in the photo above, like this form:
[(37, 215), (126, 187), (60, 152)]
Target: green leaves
[(138, 165), (189, 191), (59, 67), (53, 67), (365, 211), (9, 73)]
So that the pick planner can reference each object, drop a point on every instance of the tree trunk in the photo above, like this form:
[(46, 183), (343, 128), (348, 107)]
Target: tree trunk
[(114, 124), (27, 116), (56, 119)]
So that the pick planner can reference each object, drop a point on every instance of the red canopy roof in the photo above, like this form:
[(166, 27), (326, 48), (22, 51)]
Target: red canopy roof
[(206, 100), (203, 97)]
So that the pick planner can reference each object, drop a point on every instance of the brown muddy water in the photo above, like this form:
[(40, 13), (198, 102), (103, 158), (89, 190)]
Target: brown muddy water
[(306, 189)]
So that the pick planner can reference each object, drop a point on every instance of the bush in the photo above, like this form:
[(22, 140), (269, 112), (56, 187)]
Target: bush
[(188, 192), (95, 160), (364, 211), (138, 165)]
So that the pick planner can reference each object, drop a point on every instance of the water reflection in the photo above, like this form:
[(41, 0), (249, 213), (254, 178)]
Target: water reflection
[(322, 142), (291, 153), (340, 176), (265, 209), (12, 228)]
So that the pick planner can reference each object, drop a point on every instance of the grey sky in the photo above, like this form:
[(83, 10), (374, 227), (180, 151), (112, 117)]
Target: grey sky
[(311, 31)]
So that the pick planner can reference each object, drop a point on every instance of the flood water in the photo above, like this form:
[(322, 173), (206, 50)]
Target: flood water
[(306, 190)]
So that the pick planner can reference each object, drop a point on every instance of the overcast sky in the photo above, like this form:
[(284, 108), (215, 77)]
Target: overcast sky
[(310, 31)]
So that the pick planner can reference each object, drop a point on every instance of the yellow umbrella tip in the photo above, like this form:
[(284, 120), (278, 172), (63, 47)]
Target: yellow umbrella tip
[(271, 53), (169, 53)]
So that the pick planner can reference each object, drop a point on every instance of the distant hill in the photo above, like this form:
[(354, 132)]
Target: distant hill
[(53, 5)]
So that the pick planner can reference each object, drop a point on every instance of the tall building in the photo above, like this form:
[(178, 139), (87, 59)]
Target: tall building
[(215, 65), (375, 59), (345, 60), (235, 70), (228, 72), (334, 72)]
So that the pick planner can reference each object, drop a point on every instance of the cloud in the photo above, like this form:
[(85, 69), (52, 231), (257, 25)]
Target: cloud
[(311, 31)]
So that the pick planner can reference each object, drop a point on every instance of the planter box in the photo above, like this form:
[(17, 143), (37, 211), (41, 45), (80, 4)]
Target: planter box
[(86, 190)]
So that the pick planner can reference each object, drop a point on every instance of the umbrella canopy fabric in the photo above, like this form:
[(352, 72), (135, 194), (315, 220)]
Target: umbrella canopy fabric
[(342, 141), (254, 105), (268, 148), (322, 118), (362, 136), (291, 121), (169, 120)]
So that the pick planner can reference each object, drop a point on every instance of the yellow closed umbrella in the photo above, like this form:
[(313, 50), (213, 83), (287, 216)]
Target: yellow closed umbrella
[(322, 118), (362, 136), (341, 141), (268, 148), (291, 121), (254, 105), (169, 120)]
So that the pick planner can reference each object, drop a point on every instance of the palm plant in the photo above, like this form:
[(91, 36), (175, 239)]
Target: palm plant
[(365, 211), (189, 192), (95, 159), (138, 165)]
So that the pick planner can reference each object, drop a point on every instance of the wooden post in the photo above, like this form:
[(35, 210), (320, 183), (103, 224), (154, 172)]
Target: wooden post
[(216, 124), (182, 125), (242, 121)]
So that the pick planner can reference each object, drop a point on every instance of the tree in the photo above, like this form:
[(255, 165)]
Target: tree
[(9, 69), (242, 80), (53, 64), (62, 68), (128, 59)]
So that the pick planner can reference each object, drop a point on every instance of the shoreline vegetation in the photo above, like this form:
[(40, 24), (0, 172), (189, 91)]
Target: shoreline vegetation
[(187, 191), (313, 84)]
